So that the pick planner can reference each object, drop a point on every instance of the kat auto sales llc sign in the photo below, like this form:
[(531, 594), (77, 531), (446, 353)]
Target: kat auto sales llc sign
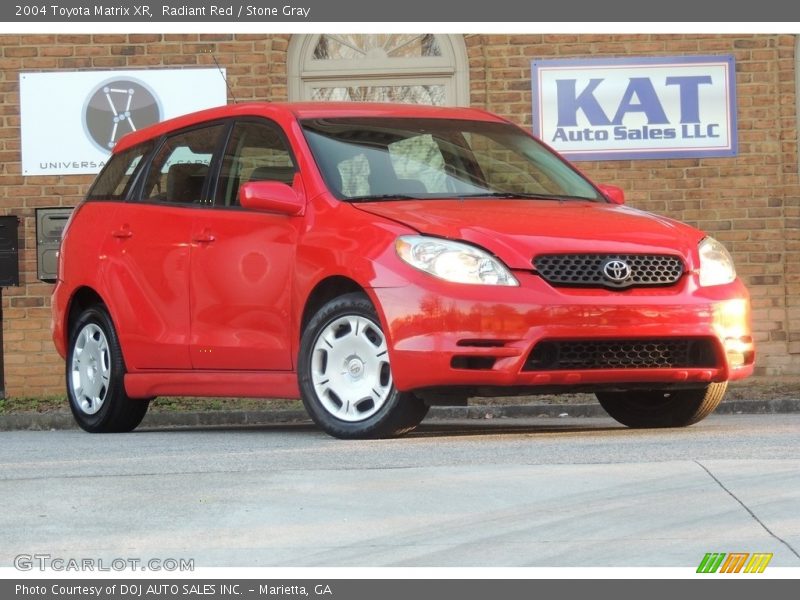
[(636, 108)]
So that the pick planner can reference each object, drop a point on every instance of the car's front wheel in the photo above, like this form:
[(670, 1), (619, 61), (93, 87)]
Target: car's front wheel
[(662, 408), (95, 376), (345, 374)]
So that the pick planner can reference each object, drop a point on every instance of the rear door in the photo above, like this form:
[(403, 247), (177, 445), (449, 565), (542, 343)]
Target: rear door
[(150, 252), (242, 261)]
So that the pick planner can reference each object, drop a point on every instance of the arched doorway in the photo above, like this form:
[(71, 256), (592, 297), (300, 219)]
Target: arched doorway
[(414, 68)]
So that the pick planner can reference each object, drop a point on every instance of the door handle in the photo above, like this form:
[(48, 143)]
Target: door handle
[(122, 233), (206, 237)]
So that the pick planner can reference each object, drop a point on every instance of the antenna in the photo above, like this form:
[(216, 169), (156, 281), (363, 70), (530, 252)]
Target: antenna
[(225, 79)]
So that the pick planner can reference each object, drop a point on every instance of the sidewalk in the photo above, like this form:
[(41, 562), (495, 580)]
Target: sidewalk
[(756, 396)]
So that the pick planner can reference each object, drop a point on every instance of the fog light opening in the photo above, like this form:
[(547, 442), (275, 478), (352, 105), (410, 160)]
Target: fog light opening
[(544, 357), (473, 363), (732, 319), (739, 351)]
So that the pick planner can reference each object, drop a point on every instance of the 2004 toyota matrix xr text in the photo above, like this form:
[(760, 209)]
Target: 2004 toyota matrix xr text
[(374, 259)]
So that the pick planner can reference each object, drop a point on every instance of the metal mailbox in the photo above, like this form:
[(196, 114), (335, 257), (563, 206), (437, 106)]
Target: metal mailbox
[(50, 224)]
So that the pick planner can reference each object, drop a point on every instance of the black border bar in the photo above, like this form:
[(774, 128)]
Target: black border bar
[(360, 11)]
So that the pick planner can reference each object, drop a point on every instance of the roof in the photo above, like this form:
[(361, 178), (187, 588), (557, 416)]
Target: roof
[(318, 110), (304, 110)]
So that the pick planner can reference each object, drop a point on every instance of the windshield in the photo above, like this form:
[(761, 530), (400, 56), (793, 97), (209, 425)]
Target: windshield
[(368, 159)]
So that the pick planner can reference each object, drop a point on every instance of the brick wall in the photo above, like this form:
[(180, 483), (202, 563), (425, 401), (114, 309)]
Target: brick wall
[(751, 202)]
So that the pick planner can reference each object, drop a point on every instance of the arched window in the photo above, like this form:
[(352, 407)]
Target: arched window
[(415, 68)]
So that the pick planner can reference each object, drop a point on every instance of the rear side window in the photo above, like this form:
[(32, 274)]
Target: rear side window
[(116, 178), (179, 170)]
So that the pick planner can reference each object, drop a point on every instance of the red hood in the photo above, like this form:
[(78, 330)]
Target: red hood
[(518, 230)]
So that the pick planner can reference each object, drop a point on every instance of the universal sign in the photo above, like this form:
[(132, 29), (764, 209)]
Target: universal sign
[(71, 121), (629, 108)]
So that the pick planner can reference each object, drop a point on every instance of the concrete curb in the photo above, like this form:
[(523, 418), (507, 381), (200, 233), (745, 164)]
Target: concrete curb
[(228, 418)]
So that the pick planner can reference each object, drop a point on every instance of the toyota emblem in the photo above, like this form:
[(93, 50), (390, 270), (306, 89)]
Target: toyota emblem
[(616, 270)]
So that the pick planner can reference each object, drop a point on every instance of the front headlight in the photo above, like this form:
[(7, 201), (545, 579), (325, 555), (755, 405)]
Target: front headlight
[(453, 261), (716, 264)]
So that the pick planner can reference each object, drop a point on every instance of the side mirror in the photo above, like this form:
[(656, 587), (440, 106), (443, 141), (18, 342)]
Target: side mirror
[(271, 196), (613, 193)]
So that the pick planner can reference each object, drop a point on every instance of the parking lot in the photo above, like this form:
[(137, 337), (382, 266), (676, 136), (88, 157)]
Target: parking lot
[(503, 492)]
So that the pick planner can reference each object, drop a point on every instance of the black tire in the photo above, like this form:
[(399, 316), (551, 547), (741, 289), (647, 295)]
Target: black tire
[(347, 406), (95, 373), (662, 408)]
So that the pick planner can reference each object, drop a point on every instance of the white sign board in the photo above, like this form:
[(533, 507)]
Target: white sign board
[(629, 108), (71, 121)]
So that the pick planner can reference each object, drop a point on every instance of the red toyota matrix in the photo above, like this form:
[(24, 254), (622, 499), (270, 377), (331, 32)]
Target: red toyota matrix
[(375, 259)]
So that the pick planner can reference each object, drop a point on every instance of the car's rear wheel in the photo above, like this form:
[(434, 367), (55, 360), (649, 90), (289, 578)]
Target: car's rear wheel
[(345, 374), (662, 408), (95, 376)]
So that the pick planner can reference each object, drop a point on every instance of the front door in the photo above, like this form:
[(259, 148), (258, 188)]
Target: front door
[(242, 261)]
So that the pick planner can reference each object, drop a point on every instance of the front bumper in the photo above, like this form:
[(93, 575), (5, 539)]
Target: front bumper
[(452, 335)]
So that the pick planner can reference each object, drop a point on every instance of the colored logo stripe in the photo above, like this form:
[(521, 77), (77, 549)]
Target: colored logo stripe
[(758, 562), (735, 561), (711, 562)]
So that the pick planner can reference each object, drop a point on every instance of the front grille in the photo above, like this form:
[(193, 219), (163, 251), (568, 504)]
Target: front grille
[(552, 355), (589, 270)]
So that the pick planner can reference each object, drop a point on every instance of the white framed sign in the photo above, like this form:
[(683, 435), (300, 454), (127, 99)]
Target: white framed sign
[(70, 121), (636, 108)]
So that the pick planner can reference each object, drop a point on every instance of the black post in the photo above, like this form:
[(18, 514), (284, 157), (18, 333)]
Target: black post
[(2, 352), (9, 275)]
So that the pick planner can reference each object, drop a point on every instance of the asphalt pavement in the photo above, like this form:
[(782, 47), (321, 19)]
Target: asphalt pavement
[(468, 492)]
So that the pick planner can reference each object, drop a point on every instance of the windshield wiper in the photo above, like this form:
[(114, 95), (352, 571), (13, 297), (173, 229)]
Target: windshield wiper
[(524, 196), (381, 197), (509, 195)]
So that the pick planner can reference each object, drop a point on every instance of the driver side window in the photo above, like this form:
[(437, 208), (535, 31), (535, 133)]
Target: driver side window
[(257, 151)]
